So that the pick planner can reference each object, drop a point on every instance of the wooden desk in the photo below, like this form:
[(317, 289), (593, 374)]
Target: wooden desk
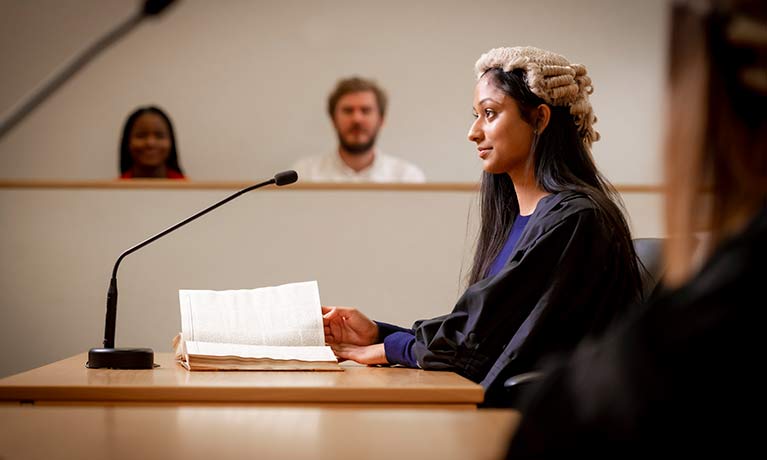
[(220, 432), (68, 381)]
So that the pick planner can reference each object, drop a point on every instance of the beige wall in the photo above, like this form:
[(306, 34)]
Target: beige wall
[(245, 81), (397, 255)]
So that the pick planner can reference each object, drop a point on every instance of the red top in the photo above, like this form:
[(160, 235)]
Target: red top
[(171, 174)]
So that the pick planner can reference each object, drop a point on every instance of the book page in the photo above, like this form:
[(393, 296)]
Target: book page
[(289, 314), (298, 353)]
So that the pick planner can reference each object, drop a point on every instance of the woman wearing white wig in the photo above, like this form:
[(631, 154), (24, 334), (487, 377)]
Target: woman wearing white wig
[(554, 261)]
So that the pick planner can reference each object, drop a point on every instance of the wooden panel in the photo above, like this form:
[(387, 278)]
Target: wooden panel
[(250, 432)]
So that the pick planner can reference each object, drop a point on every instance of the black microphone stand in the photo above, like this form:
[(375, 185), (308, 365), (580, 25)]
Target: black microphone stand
[(143, 358)]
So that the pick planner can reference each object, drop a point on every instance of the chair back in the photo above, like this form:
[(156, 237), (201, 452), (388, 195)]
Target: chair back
[(651, 265)]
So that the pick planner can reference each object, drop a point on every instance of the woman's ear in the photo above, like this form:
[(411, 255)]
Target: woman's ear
[(542, 118)]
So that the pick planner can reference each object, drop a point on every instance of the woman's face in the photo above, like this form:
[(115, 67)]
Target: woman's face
[(150, 141), (503, 138)]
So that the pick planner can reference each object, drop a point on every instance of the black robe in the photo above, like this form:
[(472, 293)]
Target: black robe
[(679, 378), (564, 281)]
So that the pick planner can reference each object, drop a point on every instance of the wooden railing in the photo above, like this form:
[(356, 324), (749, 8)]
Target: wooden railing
[(234, 185)]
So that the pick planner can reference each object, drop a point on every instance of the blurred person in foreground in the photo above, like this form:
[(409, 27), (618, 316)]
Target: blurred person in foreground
[(680, 377)]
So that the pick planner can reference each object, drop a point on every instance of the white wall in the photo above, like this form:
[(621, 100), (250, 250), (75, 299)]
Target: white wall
[(246, 81), (397, 255)]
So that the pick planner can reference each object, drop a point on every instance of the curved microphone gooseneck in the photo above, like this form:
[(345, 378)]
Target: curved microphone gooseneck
[(143, 358)]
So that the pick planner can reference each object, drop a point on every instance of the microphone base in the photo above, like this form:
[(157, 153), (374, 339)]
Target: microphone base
[(120, 358)]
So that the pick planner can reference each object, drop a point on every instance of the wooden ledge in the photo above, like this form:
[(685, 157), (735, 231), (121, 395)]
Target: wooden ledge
[(144, 184)]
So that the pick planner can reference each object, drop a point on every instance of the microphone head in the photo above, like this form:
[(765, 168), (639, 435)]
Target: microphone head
[(285, 178), (155, 7)]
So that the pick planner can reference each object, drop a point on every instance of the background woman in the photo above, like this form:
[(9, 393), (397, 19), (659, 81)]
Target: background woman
[(148, 146)]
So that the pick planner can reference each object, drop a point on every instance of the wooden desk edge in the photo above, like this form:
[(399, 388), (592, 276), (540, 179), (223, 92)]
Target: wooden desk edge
[(447, 396), (17, 388)]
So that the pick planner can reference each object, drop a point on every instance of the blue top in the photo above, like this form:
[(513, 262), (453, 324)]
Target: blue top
[(398, 341), (511, 242)]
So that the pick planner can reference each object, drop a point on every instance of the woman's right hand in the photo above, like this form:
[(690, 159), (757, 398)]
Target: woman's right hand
[(346, 325)]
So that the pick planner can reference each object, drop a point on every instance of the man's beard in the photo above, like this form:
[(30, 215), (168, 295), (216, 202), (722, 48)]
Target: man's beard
[(357, 148)]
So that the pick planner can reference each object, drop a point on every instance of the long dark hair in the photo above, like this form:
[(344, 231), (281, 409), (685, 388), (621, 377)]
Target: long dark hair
[(126, 160), (562, 162)]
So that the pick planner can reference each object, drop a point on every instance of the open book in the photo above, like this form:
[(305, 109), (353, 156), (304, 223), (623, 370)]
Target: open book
[(271, 328)]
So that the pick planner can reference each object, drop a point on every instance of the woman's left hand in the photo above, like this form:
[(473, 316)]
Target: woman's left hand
[(369, 354)]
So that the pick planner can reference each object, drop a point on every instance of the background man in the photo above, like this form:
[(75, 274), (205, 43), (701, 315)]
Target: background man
[(357, 107)]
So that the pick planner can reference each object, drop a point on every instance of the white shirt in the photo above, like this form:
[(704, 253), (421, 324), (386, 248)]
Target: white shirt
[(331, 168)]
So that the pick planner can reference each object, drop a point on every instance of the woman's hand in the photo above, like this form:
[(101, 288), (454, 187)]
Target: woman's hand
[(371, 354), (347, 326)]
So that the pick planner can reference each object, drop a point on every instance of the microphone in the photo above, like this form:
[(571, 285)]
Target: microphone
[(155, 7), (143, 358), (285, 178), (25, 107)]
